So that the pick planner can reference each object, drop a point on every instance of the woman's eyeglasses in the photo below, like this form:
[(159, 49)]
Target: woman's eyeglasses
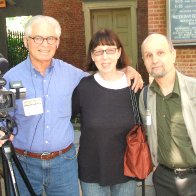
[(107, 51)]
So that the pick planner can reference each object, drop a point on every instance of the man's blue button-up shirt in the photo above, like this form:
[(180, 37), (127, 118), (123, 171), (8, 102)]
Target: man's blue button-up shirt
[(51, 130)]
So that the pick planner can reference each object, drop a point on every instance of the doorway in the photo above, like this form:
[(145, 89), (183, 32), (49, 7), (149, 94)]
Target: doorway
[(119, 16)]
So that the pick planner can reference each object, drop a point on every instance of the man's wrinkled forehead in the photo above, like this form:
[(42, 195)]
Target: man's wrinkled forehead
[(155, 41)]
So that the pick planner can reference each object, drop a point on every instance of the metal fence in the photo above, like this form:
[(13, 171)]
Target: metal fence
[(16, 50)]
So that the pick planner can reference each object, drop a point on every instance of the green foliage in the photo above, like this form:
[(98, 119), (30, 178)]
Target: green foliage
[(16, 50), (76, 123)]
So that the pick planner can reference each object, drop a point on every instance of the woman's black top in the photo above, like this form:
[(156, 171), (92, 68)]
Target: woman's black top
[(106, 117)]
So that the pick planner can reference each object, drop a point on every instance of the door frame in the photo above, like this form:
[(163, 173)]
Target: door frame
[(131, 5)]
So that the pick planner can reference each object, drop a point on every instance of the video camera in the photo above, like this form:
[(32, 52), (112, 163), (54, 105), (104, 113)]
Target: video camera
[(7, 100), (6, 97), (7, 103)]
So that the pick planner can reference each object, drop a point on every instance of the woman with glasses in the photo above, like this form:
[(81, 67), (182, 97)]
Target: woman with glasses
[(103, 102)]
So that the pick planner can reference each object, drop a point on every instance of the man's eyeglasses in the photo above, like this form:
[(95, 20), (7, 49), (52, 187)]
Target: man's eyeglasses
[(107, 51), (39, 39)]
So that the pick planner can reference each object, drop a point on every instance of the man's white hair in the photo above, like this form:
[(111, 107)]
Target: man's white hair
[(40, 19)]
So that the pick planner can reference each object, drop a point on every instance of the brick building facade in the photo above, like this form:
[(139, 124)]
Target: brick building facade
[(151, 17), (186, 55), (71, 17)]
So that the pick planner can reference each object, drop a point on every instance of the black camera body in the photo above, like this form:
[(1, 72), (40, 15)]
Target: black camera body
[(7, 103), (7, 98)]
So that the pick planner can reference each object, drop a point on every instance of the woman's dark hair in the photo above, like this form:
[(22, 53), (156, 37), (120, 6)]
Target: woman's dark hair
[(110, 38)]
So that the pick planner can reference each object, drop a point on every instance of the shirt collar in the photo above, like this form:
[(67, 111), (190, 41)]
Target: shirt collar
[(48, 70), (176, 90)]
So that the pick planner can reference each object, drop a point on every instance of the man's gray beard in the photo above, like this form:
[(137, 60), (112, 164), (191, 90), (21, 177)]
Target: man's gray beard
[(161, 75)]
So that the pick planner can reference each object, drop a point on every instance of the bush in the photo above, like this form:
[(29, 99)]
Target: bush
[(16, 50)]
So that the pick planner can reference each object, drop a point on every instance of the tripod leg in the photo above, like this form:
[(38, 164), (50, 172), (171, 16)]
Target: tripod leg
[(7, 174), (23, 175), (1, 172), (9, 155), (13, 179)]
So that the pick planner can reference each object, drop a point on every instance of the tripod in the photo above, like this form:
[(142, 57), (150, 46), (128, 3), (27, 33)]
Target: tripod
[(9, 156)]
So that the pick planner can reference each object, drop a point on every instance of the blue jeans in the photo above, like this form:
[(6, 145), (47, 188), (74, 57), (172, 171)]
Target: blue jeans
[(123, 189), (58, 176)]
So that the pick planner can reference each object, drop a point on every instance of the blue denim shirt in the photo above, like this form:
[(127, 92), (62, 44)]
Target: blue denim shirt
[(51, 130)]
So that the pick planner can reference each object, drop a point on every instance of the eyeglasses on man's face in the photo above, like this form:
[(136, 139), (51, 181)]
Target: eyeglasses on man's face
[(39, 39), (107, 51)]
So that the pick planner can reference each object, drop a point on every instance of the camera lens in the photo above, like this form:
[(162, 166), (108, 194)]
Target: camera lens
[(5, 101)]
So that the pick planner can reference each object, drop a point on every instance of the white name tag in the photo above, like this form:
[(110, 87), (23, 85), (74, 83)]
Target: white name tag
[(33, 106), (148, 118)]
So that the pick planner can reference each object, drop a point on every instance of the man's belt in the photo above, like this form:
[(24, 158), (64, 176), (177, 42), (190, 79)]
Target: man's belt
[(44, 155), (180, 171)]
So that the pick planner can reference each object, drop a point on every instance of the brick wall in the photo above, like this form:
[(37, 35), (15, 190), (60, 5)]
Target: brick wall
[(151, 17), (72, 47), (70, 16), (142, 32), (186, 55)]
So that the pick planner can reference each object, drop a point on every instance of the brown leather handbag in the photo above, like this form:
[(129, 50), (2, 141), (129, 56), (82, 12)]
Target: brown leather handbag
[(137, 158)]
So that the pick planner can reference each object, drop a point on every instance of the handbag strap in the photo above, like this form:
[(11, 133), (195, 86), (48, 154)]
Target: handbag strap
[(135, 107), (145, 91)]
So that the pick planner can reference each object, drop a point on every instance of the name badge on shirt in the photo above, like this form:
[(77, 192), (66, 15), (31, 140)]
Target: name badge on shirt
[(33, 106), (148, 117)]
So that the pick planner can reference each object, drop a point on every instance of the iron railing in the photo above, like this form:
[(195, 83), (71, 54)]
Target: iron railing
[(16, 50)]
